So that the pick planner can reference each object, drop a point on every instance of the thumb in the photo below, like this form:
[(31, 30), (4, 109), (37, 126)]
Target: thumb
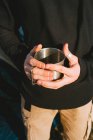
[(36, 49), (72, 58)]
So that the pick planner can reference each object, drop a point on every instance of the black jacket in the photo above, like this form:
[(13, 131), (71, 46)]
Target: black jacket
[(51, 22)]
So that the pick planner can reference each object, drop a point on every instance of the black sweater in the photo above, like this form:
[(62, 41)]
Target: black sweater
[(51, 22)]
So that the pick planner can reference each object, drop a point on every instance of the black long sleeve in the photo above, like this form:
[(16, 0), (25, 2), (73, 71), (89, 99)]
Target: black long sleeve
[(86, 40), (9, 42), (51, 22)]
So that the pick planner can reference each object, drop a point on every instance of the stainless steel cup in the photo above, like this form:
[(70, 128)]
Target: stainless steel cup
[(51, 56)]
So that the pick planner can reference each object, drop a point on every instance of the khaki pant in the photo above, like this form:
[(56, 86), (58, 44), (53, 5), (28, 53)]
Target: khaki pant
[(76, 122)]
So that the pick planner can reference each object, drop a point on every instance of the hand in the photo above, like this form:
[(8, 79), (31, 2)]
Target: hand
[(34, 69), (71, 74), (30, 62)]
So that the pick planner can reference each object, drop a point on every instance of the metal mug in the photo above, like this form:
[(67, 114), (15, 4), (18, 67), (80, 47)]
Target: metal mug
[(51, 56)]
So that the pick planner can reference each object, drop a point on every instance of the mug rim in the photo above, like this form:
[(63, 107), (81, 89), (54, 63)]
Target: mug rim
[(47, 49)]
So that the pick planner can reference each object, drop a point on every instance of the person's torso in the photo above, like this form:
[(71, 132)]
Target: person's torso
[(55, 22)]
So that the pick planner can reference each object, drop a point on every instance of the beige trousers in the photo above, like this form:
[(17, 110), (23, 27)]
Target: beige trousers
[(76, 122)]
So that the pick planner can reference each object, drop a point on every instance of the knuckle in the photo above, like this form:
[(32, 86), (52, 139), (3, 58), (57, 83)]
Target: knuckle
[(61, 69), (56, 87), (35, 70), (35, 77), (48, 73), (45, 73), (31, 62), (49, 78), (75, 59), (42, 65)]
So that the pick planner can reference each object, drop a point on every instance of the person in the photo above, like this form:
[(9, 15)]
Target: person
[(11, 121), (49, 23)]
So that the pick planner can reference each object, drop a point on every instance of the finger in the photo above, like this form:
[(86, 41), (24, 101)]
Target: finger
[(55, 84), (36, 49), (59, 68), (48, 84), (40, 77), (36, 63), (28, 74), (52, 84), (27, 68), (72, 58), (42, 72)]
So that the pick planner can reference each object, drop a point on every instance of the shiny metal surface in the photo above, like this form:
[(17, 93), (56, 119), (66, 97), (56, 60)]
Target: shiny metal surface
[(51, 56)]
